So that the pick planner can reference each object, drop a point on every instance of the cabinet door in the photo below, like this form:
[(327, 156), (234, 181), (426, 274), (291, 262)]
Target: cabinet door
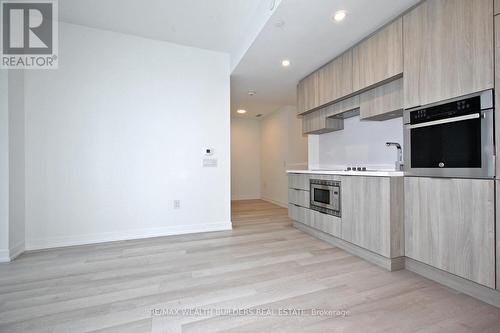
[(301, 107), (335, 79), (346, 105), (497, 91), (298, 181), (497, 7), (297, 213), (318, 122), (448, 50), (449, 224), (370, 217), (327, 223), (308, 93), (324, 222), (313, 121), (378, 58), (497, 188), (383, 102), (298, 197)]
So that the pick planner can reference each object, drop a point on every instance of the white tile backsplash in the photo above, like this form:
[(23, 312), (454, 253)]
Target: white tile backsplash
[(360, 143)]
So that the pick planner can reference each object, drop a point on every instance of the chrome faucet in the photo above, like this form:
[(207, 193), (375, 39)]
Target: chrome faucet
[(399, 162)]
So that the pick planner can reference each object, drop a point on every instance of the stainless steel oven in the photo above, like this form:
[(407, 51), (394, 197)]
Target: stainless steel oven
[(325, 196), (451, 139)]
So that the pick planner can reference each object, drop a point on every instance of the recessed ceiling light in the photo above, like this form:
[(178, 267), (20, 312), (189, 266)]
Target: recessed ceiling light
[(285, 63), (252, 92), (339, 15), (241, 111)]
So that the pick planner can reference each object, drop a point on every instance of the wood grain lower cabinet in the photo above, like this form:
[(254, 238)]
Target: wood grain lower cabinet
[(382, 103), (497, 91), (448, 50), (449, 224), (497, 188), (327, 223), (372, 214), (298, 181), (298, 197), (297, 213)]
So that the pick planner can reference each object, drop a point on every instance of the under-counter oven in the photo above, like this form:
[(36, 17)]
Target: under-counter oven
[(451, 139), (325, 196)]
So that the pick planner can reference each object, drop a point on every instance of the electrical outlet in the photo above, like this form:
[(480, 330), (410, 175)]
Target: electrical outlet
[(177, 204)]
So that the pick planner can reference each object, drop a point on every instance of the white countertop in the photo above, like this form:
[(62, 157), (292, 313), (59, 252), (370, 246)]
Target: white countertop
[(371, 173)]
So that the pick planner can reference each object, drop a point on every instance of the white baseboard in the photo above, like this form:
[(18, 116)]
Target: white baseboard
[(47, 243), (16, 250), (4, 256), (12, 253), (278, 203)]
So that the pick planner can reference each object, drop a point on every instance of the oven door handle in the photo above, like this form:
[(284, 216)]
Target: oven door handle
[(446, 121)]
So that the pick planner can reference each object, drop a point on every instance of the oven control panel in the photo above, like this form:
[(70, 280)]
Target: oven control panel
[(448, 110)]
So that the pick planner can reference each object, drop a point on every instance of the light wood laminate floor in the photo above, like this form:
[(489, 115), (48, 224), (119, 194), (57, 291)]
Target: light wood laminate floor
[(264, 263)]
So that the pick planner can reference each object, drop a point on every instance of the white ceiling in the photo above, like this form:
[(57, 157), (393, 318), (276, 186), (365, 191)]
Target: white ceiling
[(309, 39), (228, 26), (246, 29)]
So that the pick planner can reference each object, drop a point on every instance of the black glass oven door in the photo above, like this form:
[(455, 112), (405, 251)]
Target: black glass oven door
[(452, 144)]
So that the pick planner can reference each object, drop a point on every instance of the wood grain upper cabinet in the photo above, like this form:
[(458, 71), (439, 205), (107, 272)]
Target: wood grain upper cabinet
[(448, 50), (378, 58), (449, 224), (308, 93), (329, 83), (496, 6), (335, 79), (383, 102), (318, 122), (372, 213)]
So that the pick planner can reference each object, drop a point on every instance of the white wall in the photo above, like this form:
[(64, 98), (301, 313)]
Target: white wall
[(4, 167), (361, 143), (297, 148), (282, 147), (245, 159), (117, 133), (16, 164)]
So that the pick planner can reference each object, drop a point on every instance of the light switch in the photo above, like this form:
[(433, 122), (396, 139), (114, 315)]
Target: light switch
[(209, 162)]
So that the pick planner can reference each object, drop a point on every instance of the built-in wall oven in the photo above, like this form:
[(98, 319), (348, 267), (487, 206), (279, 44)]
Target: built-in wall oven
[(451, 139), (325, 196)]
